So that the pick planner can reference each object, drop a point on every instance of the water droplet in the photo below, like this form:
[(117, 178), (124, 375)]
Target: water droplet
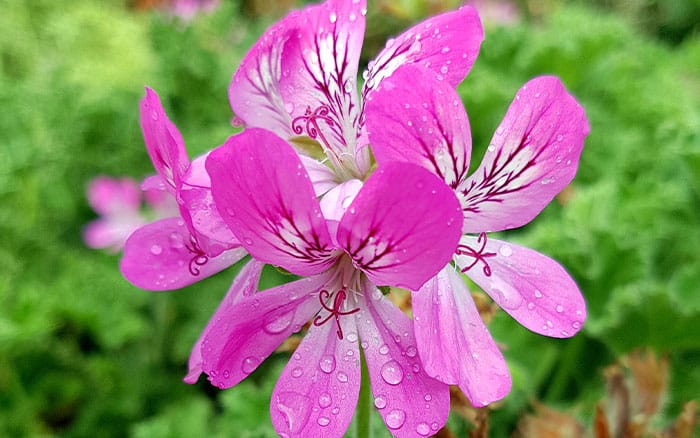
[(550, 324), (560, 137), (154, 115), (176, 241), (333, 18), (564, 333), (392, 373), (342, 377), (411, 351), (352, 337), (505, 251), (379, 402), (325, 400), (384, 349), (500, 130), (423, 429), (427, 397), (435, 426), (278, 323), (352, 210), (576, 325), (327, 364), (415, 368), (559, 308), (248, 241), (352, 16), (444, 69), (491, 148), (323, 421), (227, 374), (395, 419), (295, 408), (297, 372), (531, 305), (538, 294), (156, 250), (250, 363)]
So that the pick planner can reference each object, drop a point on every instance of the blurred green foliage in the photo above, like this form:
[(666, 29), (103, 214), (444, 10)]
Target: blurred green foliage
[(82, 352)]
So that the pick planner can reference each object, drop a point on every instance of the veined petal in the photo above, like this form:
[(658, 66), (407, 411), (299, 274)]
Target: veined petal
[(200, 213), (414, 117), (164, 142), (410, 402), (321, 176), (402, 227), (250, 330), (533, 155), (319, 80), (317, 392), (254, 92), (265, 197), (447, 44), (453, 342), (163, 255), (245, 284), (532, 288)]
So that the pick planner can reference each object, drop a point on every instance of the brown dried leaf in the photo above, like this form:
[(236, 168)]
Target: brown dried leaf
[(600, 424), (546, 422), (650, 381)]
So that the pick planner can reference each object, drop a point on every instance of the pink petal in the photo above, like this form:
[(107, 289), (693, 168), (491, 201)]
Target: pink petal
[(319, 84), (163, 141), (200, 212), (317, 392), (532, 288), (111, 232), (447, 44), (414, 117), (321, 176), (250, 330), (266, 199), (403, 226), (533, 155), (410, 402), (254, 92), (163, 256), (110, 195), (454, 344), (336, 202), (245, 284)]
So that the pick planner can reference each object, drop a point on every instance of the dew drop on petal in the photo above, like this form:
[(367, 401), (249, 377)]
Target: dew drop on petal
[(576, 325), (395, 419), (327, 364), (559, 308), (411, 351), (333, 17), (384, 349), (278, 324), (176, 241), (423, 429), (325, 400), (538, 294), (392, 373), (248, 241), (342, 377), (156, 250), (250, 363), (323, 421), (297, 372), (505, 251), (379, 402)]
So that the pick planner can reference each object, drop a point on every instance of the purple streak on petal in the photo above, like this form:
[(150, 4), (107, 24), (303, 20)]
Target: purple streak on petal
[(533, 155), (317, 392), (409, 401), (453, 342), (321, 176), (254, 92), (250, 330), (319, 80), (245, 284), (447, 44), (164, 142), (532, 288), (413, 117), (265, 197), (402, 227), (162, 256)]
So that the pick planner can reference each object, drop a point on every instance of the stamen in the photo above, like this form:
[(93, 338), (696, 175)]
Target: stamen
[(198, 259), (310, 119), (478, 255), (334, 311)]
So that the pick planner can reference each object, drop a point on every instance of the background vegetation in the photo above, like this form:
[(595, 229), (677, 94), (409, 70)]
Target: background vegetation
[(83, 353)]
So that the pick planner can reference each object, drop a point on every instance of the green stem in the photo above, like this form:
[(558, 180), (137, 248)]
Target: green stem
[(364, 403)]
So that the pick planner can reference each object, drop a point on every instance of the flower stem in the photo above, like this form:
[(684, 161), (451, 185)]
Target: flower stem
[(364, 403)]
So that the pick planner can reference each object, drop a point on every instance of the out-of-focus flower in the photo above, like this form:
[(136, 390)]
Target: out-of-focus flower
[(177, 251), (533, 155), (399, 227), (499, 12), (187, 9), (300, 79)]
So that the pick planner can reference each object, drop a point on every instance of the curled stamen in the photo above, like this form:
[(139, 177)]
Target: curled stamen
[(311, 118), (478, 254), (199, 258), (334, 311)]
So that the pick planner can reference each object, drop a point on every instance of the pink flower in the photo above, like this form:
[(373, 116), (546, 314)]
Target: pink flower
[(187, 9), (118, 202), (177, 251), (533, 155), (399, 227), (300, 78)]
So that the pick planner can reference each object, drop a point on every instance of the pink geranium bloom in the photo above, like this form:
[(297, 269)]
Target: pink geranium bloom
[(533, 155), (399, 228), (118, 202), (177, 251), (300, 78), (187, 9)]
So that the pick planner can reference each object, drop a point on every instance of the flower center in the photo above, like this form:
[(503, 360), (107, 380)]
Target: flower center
[(334, 311), (479, 255), (199, 257)]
